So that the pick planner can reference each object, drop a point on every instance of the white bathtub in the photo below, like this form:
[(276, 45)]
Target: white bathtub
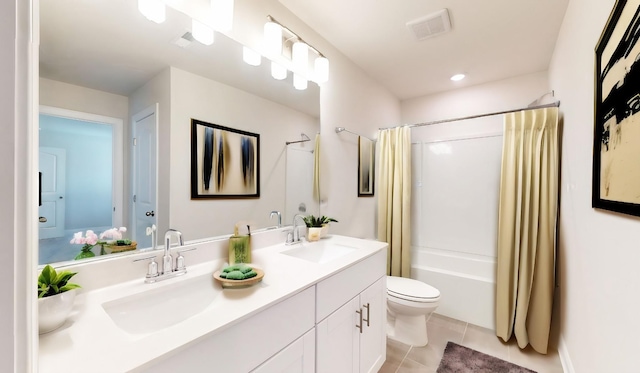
[(466, 283)]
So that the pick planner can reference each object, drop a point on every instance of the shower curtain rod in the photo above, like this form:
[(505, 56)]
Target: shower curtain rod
[(554, 104), (303, 135)]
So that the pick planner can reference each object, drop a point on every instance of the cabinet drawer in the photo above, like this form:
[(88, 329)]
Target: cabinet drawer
[(244, 346), (338, 289)]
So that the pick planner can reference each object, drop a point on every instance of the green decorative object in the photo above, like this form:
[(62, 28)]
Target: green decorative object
[(51, 283)]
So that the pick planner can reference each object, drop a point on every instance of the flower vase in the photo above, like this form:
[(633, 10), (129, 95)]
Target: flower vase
[(54, 310)]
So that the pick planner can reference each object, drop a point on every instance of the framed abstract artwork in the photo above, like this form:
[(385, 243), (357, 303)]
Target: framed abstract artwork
[(225, 162), (616, 143), (366, 158)]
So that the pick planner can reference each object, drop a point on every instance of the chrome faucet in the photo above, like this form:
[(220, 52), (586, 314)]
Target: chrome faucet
[(279, 217), (296, 232), (167, 259), (168, 270)]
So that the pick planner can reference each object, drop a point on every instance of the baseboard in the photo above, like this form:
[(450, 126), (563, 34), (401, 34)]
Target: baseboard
[(565, 359)]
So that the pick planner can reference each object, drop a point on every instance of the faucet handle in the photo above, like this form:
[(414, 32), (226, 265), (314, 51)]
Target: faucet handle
[(153, 266), (180, 259)]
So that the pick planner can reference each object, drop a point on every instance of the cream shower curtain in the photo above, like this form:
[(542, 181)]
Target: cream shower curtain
[(316, 169), (527, 227), (394, 198)]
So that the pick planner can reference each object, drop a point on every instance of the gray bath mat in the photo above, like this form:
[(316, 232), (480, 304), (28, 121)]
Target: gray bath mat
[(460, 359)]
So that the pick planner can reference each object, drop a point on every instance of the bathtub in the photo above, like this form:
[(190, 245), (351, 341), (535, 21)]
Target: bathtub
[(466, 283)]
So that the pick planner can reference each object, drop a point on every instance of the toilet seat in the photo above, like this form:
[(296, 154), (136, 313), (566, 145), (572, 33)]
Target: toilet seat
[(411, 290)]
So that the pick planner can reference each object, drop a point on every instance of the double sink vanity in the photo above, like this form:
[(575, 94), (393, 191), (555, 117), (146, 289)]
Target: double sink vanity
[(321, 307)]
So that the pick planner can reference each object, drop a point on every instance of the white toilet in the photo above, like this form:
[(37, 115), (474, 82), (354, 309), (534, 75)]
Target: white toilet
[(409, 304)]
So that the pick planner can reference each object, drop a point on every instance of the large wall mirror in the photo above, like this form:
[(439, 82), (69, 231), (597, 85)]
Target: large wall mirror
[(108, 76)]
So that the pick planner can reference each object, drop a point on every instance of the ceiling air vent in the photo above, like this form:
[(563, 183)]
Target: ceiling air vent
[(431, 25)]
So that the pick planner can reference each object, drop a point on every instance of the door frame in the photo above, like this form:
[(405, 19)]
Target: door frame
[(140, 115), (117, 127)]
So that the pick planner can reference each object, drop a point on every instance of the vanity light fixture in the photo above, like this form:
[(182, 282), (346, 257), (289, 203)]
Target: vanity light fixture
[(222, 14), (279, 39), (272, 39), (154, 10), (278, 71), (321, 69), (458, 77), (299, 82), (251, 57), (201, 32)]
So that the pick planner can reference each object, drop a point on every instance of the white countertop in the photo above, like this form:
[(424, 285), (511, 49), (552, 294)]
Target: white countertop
[(91, 342)]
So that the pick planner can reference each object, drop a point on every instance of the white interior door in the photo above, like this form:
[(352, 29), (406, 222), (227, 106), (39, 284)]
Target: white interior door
[(144, 174), (52, 210)]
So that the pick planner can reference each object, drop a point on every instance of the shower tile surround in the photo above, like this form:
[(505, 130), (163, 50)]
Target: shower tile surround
[(402, 358)]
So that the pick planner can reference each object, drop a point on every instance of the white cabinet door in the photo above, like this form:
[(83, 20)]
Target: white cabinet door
[(373, 340), (338, 340), (342, 346), (298, 357)]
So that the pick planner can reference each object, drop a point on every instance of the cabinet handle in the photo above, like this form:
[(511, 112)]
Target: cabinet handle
[(359, 312), (367, 319)]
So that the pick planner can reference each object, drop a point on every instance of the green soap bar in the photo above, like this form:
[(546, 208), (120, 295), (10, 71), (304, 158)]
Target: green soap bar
[(237, 267), (235, 275), (223, 274), (250, 274)]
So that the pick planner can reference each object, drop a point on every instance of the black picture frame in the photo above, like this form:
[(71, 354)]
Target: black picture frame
[(616, 147), (225, 162), (366, 169)]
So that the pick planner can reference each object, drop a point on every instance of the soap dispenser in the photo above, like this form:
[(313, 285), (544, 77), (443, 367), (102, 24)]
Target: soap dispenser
[(240, 247)]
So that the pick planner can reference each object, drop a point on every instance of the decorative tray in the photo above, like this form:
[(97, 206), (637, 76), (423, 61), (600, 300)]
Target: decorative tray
[(227, 283), (120, 248)]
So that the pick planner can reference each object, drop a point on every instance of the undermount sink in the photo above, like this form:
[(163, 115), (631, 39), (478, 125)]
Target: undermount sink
[(156, 309), (320, 252)]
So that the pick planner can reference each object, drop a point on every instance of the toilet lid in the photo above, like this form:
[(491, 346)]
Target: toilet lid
[(409, 289)]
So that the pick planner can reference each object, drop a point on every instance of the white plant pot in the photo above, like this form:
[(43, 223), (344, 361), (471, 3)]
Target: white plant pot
[(54, 310), (325, 231), (314, 234)]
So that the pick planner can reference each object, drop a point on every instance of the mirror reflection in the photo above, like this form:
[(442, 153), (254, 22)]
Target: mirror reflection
[(105, 61)]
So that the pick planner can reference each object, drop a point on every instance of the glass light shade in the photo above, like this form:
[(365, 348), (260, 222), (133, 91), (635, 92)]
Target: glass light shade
[(201, 32), (321, 68), (272, 39), (251, 57), (222, 14), (278, 71), (299, 82), (300, 57), (154, 10)]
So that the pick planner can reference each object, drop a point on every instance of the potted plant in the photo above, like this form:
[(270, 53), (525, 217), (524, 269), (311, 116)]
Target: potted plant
[(55, 298), (317, 226)]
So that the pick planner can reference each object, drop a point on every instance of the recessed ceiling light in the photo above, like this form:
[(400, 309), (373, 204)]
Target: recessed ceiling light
[(457, 77)]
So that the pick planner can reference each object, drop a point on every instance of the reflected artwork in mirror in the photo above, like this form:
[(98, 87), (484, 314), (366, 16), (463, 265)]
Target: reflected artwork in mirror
[(366, 157), (115, 57)]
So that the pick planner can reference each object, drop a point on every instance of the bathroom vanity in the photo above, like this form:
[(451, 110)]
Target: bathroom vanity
[(321, 307)]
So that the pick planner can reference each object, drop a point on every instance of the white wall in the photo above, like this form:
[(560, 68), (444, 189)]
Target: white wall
[(599, 253), (193, 96)]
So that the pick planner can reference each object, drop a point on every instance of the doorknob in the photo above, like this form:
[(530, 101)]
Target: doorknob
[(150, 213), (42, 219)]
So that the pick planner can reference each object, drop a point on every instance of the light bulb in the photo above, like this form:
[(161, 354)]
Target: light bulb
[(278, 71), (154, 10), (299, 82), (201, 32), (222, 14), (300, 57), (251, 57), (272, 39), (321, 69), (457, 77)]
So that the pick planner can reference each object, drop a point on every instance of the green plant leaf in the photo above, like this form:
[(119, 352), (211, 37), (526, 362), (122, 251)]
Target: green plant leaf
[(68, 287), (51, 283)]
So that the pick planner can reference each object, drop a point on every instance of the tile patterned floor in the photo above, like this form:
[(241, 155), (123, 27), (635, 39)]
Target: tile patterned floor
[(402, 358)]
